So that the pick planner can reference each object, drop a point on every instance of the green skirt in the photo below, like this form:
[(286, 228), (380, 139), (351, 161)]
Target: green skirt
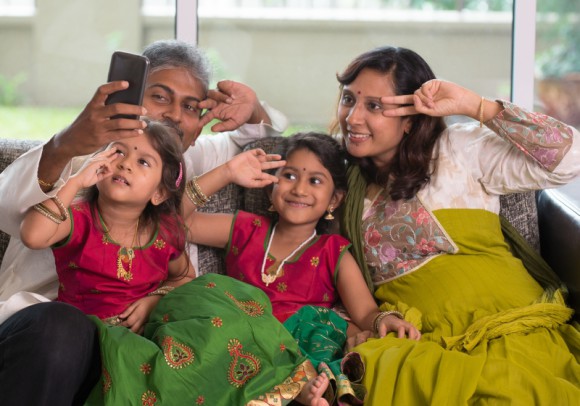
[(321, 335), (212, 341), (489, 334)]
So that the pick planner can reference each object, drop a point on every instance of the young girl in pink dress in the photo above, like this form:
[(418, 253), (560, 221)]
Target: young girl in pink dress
[(303, 271)]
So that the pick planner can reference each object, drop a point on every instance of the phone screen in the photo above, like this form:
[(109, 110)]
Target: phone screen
[(132, 68)]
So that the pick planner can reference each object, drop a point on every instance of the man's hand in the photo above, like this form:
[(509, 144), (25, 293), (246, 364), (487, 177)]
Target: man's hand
[(91, 130), (233, 104), (95, 128)]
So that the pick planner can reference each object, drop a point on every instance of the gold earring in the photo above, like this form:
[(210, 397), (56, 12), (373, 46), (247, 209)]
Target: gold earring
[(329, 215), (272, 209)]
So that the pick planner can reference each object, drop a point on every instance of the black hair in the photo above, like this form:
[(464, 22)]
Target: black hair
[(410, 168), (331, 156)]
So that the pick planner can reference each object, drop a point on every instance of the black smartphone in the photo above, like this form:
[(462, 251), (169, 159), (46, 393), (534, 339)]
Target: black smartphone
[(132, 68)]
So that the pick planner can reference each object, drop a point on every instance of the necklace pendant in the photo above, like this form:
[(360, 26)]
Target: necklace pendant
[(268, 279), (126, 254)]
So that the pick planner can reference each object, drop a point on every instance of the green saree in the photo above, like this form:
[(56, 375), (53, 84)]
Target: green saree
[(212, 341)]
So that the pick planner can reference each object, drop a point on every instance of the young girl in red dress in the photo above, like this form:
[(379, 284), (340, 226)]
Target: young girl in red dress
[(118, 249), (304, 272)]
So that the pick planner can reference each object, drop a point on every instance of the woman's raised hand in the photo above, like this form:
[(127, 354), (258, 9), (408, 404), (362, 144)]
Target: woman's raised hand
[(437, 98)]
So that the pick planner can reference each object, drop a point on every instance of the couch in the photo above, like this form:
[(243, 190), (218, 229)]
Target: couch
[(549, 219)]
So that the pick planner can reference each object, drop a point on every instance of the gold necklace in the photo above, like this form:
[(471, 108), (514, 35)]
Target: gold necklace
[(125, 255)]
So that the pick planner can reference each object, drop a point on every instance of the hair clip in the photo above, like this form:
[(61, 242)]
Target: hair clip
[(180, 176)]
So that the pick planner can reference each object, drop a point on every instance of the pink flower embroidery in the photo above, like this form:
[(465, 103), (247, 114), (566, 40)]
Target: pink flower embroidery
[(388, 253), (421, 216), (425, 247), (553, 136), (372, 237), (405, 265), (546, 156)]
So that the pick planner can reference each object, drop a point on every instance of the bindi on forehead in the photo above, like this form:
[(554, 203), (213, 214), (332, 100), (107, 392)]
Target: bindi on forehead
[(358, 92), (135, 148)]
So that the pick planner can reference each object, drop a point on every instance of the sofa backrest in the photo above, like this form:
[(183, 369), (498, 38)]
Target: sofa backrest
[(520, 208)]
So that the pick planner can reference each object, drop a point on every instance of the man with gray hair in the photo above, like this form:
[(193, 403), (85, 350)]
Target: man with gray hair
[(49, 352)]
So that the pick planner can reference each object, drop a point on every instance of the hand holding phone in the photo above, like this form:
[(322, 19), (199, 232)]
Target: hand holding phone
[(133, 69)]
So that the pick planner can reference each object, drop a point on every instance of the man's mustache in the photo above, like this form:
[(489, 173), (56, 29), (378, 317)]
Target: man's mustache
[(170, 123)]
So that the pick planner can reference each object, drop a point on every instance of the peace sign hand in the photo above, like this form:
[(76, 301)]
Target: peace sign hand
[(436, 98)]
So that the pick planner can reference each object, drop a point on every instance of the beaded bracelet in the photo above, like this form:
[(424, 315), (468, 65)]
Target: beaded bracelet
[(382, 315)]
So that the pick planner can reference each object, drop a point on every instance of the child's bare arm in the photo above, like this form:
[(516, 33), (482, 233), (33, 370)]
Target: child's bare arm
[(211, 229), (245, 169), (362, 307)]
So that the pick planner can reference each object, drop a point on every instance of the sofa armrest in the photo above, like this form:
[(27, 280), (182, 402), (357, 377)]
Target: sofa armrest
[(559, 223)]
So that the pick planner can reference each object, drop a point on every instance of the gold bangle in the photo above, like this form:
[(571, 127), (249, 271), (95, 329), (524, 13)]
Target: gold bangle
[(481, 112), (191, 195), (382, 315), (198, 191), (45, 211), (55, 217), (45, 184), (61, 208), (195, 194), (161, 291)]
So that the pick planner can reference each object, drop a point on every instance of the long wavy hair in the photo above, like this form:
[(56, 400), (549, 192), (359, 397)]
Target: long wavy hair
[(411, 167)]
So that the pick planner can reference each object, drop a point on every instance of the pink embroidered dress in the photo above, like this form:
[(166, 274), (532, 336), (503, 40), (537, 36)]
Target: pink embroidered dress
[(308, 278), (86, 264)]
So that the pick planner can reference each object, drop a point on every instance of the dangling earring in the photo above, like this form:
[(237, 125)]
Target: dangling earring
[(272, 209), (329, 215)]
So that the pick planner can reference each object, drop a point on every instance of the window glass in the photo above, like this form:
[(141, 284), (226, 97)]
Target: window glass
[(557, 84), (55, 53), (290, 51)]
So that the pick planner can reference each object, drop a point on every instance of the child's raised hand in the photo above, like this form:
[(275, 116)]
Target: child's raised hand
[(96, 168), (136, 315), (403, 328), (247, 168)]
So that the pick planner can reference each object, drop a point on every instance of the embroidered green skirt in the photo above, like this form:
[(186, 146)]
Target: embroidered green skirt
[(212, 341)]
